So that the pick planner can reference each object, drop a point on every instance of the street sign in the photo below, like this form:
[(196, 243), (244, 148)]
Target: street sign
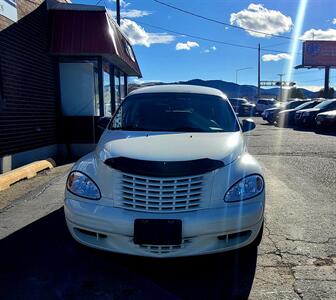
[(319, 54), (8, 9)]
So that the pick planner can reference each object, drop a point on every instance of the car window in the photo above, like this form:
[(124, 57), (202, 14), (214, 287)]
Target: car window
[(293, 104), (306, 105), (326, 103), (176, 112)]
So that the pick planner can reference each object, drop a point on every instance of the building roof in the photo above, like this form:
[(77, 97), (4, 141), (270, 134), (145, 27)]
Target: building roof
[(88, 30), (179, 88)]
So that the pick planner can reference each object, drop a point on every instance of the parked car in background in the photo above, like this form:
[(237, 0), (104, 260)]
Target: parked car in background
[(170, 177), (271, 114), (326, 120), (306, 117), (263, 104), (286, 117), (242, 107)]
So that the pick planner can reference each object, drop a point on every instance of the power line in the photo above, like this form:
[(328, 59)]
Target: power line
[(210, 40), (220, 22)]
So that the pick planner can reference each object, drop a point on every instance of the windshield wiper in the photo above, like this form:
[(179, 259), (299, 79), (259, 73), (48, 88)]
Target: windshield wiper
[(132, 128)]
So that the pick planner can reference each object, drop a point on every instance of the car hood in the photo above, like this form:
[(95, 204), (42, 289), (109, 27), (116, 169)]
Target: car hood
[(287, 111), (328, 113), (160, 146), (272, 110)]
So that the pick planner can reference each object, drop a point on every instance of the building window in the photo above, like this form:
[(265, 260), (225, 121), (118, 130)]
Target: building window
[(79, 88), (107, 93), (117, 89)]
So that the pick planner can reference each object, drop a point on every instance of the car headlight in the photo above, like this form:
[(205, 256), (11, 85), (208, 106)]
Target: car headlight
[(305, 114), (244, 189), (82, 185)]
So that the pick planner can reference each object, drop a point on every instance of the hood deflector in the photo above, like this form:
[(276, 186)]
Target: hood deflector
[(164, 168)]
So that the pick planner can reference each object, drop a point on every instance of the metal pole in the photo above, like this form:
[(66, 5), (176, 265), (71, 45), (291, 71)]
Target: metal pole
[(280, 95), (258, 91), (237, 70), (118, 11), (326, 82)]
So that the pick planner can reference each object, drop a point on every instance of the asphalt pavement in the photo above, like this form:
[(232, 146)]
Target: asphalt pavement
[(296, 259)]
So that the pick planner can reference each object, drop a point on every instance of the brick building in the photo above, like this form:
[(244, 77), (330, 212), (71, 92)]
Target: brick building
[(62, 68)]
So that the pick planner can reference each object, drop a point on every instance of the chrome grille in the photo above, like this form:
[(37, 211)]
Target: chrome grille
[(161, 194)]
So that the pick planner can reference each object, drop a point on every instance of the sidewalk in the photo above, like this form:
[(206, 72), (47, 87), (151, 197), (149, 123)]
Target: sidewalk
[(32, 199)]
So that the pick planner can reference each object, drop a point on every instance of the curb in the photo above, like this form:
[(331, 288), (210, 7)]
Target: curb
[(25, 172)]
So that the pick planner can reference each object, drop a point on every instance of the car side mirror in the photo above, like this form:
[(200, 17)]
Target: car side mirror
[(248, 125), (103, 122)]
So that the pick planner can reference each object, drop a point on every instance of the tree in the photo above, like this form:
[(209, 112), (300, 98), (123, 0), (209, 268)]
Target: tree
[(330, 93), (296, 93)]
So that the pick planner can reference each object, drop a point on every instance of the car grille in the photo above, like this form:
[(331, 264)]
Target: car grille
[(298, 116), (165, 249), (152, 194)]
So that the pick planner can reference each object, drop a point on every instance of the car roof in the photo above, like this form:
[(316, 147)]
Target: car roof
[(178, 88)]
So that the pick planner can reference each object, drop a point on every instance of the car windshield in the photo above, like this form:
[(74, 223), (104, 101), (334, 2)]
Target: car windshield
[(325, 104), (173, 112), (293, 104), (306, 105)]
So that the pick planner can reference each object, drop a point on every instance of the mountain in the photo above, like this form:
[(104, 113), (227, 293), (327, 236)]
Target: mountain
[(229, 88)]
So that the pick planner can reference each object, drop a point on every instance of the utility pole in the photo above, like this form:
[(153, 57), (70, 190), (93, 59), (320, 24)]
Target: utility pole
[(326, 82), (118, 11), (258, 92), (280, 96)]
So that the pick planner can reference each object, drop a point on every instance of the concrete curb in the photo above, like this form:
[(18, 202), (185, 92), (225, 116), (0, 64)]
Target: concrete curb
[(25, 172)]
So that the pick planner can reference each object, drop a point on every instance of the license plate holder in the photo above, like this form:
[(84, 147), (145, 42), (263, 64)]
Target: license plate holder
[(158, 231)]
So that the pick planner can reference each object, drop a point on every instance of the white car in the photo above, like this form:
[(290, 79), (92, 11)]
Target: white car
[(263, 104), (170, 177)]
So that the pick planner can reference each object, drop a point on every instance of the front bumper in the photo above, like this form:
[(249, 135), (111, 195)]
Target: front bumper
[(203, 232)]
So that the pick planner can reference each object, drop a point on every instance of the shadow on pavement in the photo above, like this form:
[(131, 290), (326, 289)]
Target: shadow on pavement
[(42, 261)]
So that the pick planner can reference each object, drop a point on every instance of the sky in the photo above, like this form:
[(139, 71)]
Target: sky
[(169, 57)]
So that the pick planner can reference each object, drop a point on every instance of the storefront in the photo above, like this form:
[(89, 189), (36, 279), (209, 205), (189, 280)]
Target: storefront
[(74, 74)]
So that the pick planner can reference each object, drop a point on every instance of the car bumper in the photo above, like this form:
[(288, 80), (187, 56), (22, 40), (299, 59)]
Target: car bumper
[(326, 123), (203, 232)]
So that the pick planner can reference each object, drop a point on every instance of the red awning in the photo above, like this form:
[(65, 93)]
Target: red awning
[(91, 32)]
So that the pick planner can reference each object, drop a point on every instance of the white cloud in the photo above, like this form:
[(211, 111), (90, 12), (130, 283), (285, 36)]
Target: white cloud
[(131, 13), (319, 34), (275, 57), (138, 36), (313, 88), (208, 50), (186, 46), (333, 21), (257, 17)]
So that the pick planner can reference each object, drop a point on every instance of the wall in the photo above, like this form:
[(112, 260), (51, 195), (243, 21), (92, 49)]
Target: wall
[(28, 80)]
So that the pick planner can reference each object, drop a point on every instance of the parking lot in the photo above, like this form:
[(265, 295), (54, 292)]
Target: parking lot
[(296, 260)]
